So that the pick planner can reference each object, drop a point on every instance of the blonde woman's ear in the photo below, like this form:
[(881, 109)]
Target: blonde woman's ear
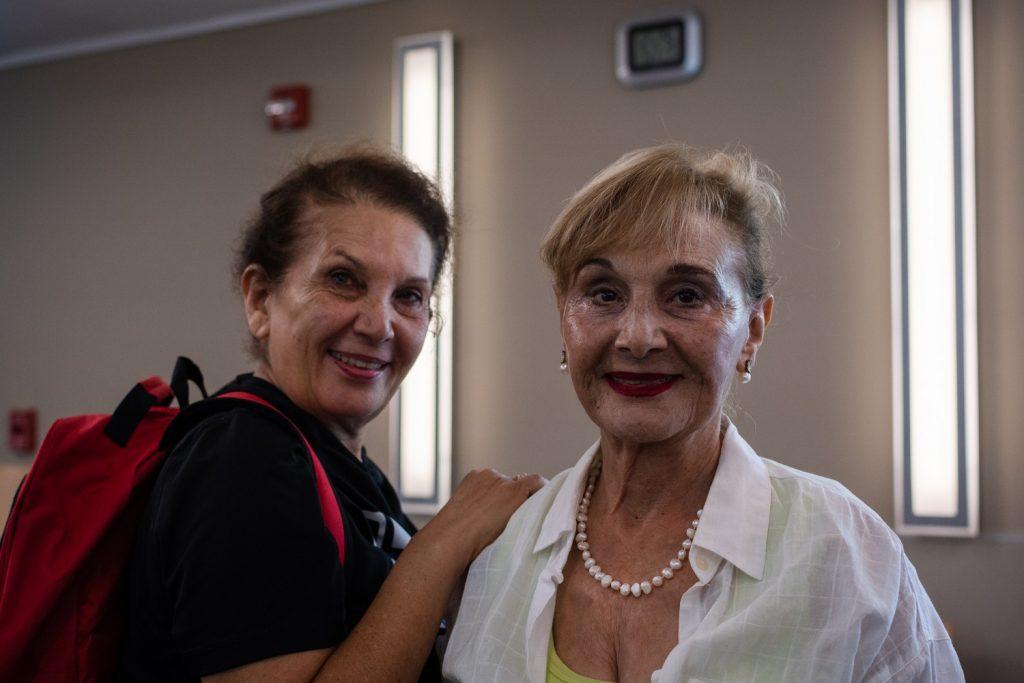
[(760, 318), (767, 304)]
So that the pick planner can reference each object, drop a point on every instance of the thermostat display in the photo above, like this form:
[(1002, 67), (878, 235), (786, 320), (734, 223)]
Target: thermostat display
[(655, 50), (656, 46)]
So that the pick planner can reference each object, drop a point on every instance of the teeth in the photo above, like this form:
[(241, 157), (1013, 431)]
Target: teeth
[(638, 382), (365, 365)]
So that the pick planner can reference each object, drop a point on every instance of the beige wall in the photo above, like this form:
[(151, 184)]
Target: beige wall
[(125, 178)]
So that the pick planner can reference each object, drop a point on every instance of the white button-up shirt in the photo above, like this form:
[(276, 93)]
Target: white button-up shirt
[(798, 580)]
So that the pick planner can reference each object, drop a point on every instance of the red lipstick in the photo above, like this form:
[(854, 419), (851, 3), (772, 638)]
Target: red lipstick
[(639, 384)]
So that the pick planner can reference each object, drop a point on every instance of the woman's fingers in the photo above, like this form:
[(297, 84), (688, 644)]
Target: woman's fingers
[(482, 504), (527, 484), (532, 482)]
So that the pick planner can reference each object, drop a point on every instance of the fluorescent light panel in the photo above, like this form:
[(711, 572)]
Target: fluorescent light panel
[(934, 303), (421, 413)]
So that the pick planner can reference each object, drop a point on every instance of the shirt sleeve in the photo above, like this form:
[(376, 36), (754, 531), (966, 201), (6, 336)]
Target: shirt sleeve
[(917, 648), (249, 568)]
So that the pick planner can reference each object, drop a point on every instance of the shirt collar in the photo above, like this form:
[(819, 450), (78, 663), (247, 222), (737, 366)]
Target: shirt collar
[(561, 516), (733, 526)]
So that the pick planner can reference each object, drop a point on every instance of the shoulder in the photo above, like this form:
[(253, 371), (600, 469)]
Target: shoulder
[(511, 558), (786, 478), (840, 561), (237, 484), (508, 568), (233, 558), (237, 435), (823, 540), (822, 505), (524, 526), (234, 457), (536, 507)]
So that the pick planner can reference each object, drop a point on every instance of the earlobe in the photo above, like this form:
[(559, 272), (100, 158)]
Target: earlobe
[(255, 294)]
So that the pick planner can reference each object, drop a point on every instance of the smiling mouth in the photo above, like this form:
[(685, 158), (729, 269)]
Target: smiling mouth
[(360, 367), (639, 384)]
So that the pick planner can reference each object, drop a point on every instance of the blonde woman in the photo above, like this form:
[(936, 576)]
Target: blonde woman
[(671, 551)]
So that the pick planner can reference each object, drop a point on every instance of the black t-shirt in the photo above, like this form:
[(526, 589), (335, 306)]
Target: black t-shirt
[(233, 564)]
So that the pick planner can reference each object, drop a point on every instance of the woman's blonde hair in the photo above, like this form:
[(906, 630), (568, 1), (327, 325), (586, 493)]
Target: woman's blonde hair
[(645, 198)]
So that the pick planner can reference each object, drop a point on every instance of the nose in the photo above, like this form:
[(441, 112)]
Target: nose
[(374, 320), (640, 330)]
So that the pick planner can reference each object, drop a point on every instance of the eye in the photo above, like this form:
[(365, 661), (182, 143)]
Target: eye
[(603, 295), (688, 296), (342, 278), (411, 297)]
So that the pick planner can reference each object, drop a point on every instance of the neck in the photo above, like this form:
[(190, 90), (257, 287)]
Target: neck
[(642, 480), (352, 440)]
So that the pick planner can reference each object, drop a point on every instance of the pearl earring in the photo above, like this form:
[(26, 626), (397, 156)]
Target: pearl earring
[(563, 364), (745, 376)]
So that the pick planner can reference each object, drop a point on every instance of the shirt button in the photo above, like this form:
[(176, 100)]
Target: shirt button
[(554, 577), (701, 563)]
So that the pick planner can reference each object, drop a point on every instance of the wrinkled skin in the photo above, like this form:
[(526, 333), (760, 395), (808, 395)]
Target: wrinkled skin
[(357, 292)]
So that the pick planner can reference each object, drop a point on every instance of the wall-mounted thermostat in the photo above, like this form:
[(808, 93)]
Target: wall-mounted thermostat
[(658, 49)]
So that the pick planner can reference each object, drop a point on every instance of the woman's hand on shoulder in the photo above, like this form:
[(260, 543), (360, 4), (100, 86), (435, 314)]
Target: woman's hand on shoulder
[(480, 508)]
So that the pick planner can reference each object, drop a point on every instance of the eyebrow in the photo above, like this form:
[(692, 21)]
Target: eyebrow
[(348, 257), (674, 269), (602, 262), (690, 269), (359, 265)]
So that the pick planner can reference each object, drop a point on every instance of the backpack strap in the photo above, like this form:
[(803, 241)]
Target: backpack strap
[(133, 407), (328, 503), (151, 392), (184, 371)]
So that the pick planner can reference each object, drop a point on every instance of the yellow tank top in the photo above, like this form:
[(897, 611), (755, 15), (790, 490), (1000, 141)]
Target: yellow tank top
[(558, 672)]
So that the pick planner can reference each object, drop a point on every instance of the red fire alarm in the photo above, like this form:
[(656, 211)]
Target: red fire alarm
[(22, 431), (287, 107)]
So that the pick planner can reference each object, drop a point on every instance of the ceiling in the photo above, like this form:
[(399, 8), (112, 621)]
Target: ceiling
[(35, 31)]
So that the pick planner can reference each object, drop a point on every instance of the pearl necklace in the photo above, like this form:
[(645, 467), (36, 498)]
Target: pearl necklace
[(606, 580)]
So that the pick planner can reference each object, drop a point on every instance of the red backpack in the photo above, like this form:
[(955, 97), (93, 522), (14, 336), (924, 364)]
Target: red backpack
[(69, 535)]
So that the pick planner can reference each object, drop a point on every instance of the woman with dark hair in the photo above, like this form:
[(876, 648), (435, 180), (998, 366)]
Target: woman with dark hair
[(234, 575)]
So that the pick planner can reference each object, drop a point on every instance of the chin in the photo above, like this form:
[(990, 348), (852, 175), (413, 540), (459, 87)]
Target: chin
[(645, 424), (349, 408), (642, 430)]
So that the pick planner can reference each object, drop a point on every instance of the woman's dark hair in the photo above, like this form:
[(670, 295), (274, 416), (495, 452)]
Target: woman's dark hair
[(361, 174)]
